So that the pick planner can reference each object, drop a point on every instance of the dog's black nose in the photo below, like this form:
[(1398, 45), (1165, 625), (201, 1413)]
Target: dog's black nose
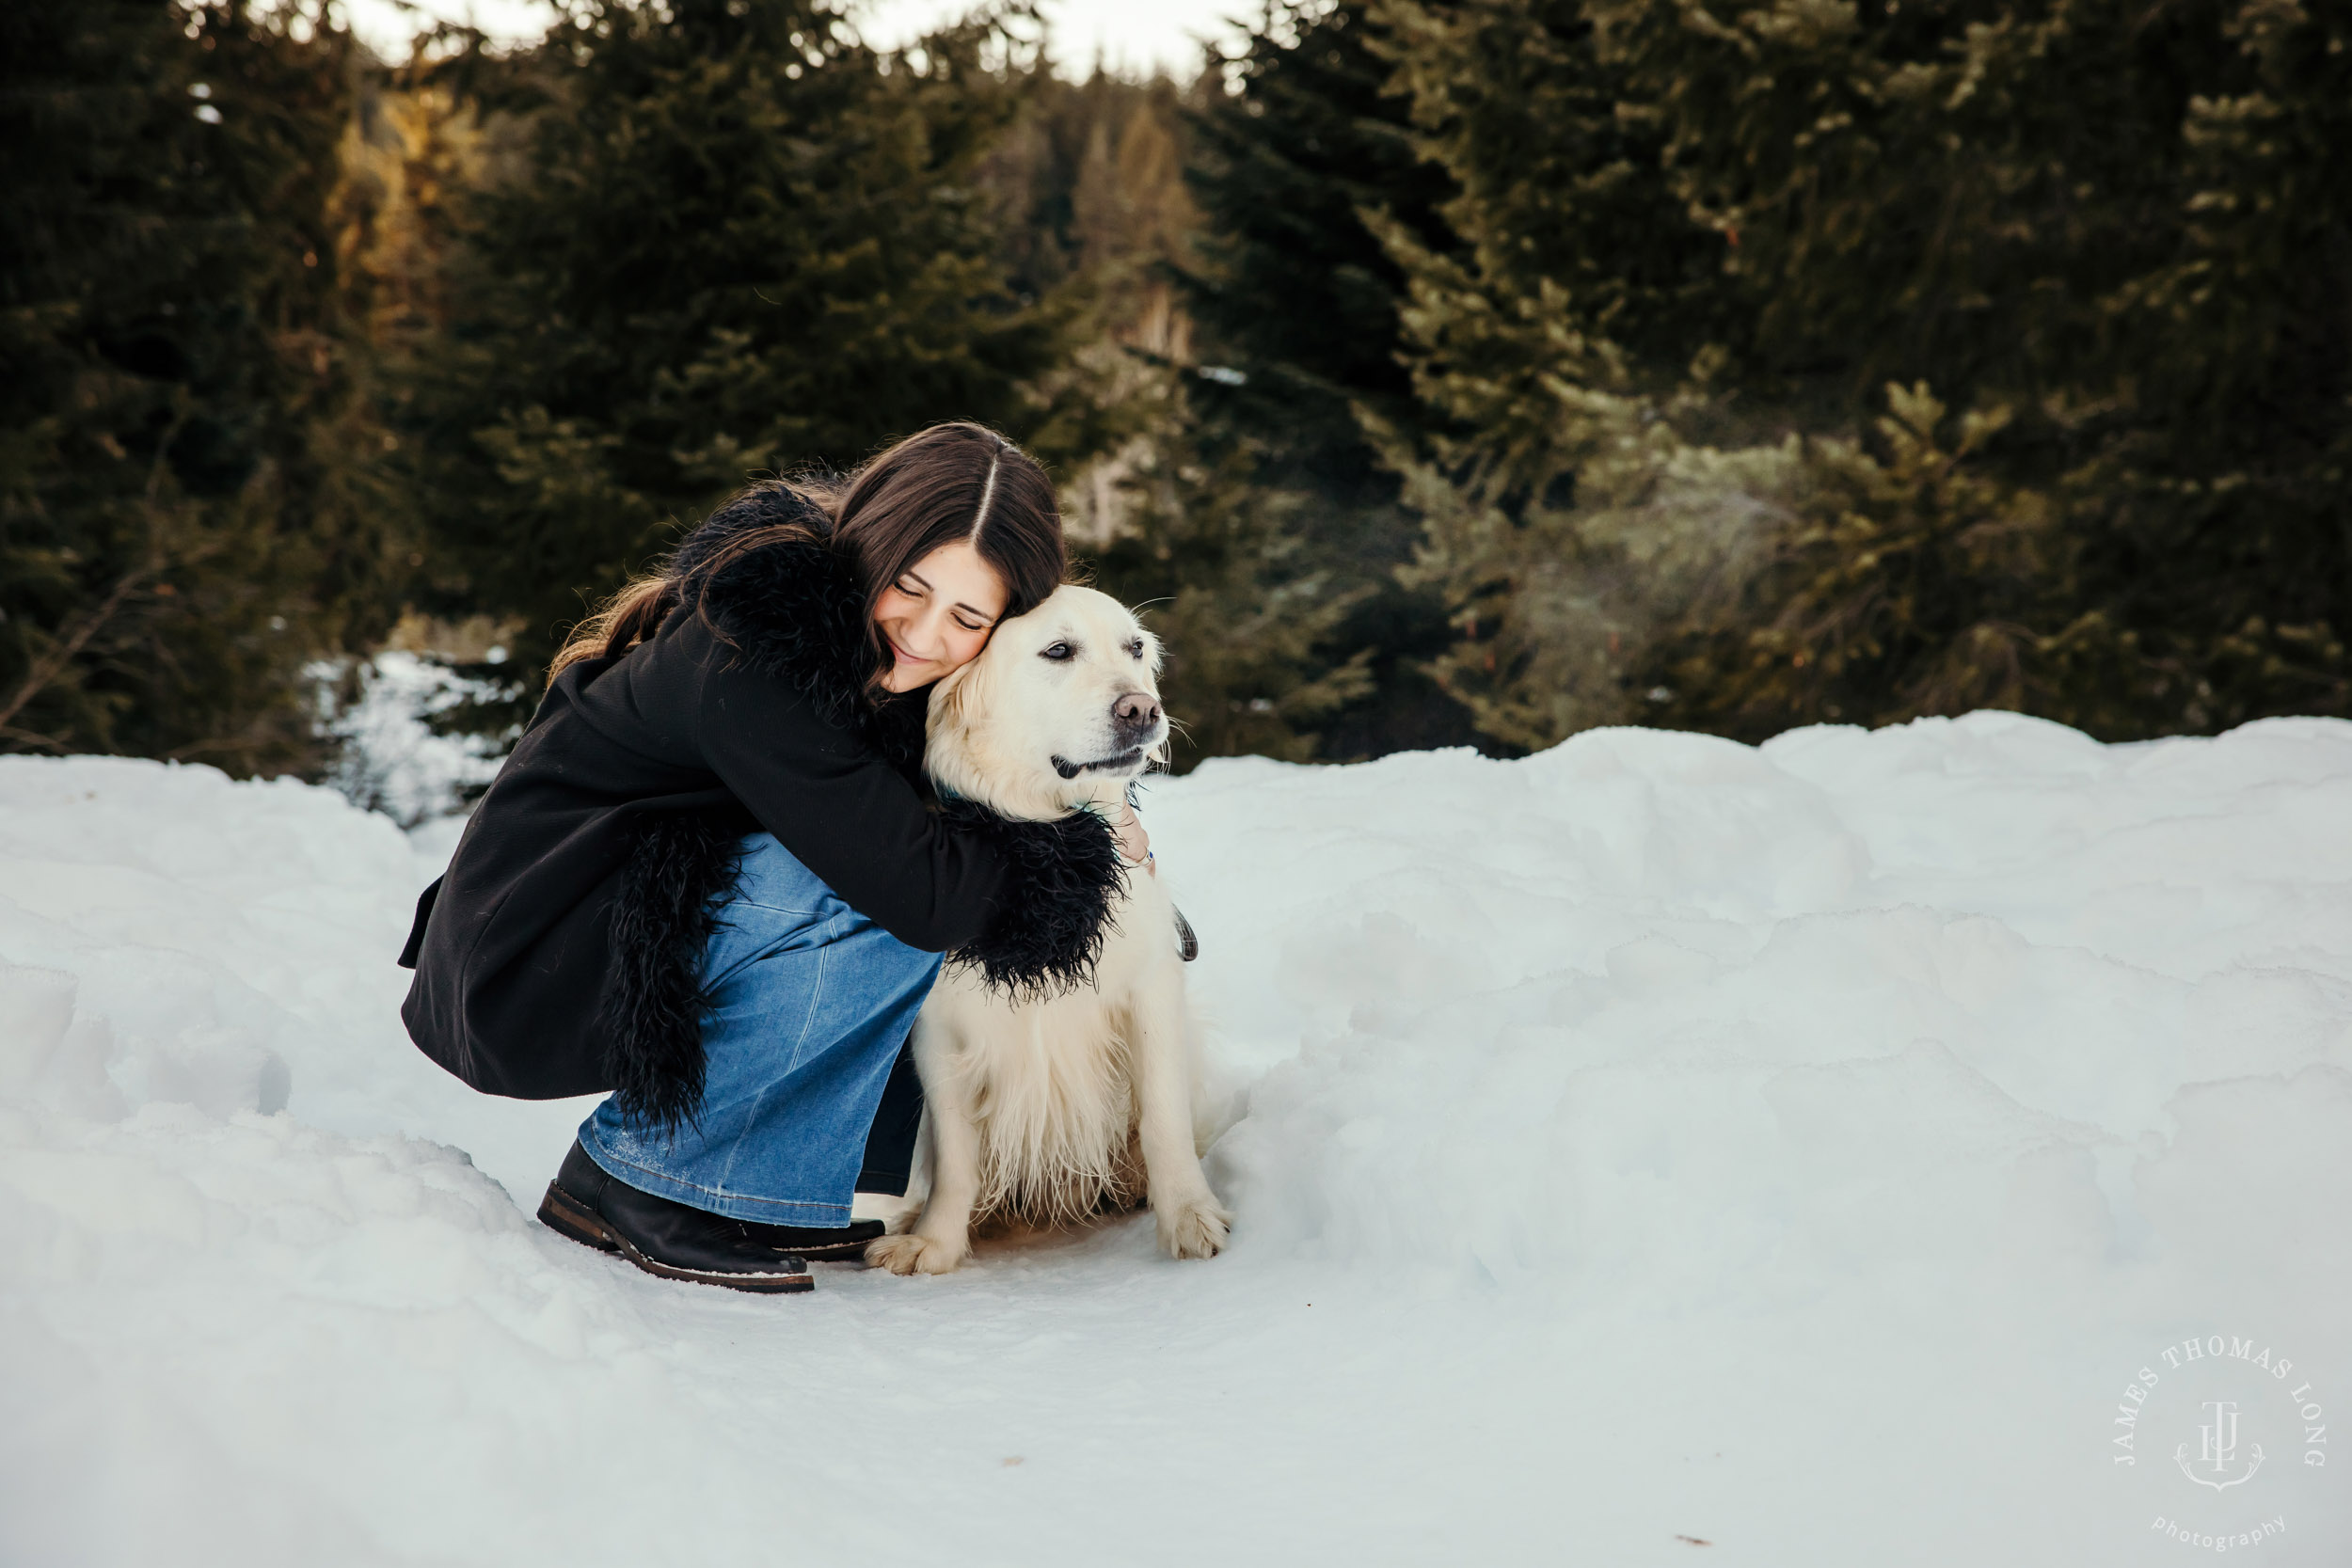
[(1136, 714)]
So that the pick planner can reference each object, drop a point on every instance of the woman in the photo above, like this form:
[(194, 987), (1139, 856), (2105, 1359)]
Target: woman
[(708, 881)]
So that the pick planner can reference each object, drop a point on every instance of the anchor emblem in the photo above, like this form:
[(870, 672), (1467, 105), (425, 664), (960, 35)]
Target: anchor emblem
[(2220, 1449)]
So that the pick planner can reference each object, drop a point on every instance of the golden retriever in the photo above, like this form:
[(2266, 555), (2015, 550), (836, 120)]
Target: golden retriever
[(1049, 1111)]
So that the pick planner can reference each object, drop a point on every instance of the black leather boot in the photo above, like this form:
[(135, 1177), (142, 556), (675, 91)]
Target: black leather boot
[(679, 1241)]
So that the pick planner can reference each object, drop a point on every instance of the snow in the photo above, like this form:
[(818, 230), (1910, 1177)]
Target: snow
[(391, 758), (1801, 1150)]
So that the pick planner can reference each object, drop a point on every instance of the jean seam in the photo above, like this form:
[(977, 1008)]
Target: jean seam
[(772, 909), (766, 949)]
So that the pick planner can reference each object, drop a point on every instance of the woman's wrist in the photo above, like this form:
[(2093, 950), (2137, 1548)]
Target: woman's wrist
[(1133, 843)]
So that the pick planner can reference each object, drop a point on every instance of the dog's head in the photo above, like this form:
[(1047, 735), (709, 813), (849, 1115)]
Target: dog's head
[(1062, 707)]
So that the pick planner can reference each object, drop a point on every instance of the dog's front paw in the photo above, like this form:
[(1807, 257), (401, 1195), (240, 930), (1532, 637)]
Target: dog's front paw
[(914, 1254), (1193, 1229)]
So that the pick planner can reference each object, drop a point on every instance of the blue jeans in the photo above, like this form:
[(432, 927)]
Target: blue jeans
[(813, 1002)]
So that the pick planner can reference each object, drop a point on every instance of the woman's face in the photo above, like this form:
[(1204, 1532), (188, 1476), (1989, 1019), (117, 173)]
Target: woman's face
[(936, 618)]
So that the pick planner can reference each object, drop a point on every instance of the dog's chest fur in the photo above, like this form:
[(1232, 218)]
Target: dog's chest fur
[(1051, 1084)]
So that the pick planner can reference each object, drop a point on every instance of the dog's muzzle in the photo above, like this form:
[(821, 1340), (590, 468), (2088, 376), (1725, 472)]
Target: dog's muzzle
[(1138, 724)]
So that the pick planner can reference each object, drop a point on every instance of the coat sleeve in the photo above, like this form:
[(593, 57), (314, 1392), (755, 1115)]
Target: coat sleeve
[(1025, 902)]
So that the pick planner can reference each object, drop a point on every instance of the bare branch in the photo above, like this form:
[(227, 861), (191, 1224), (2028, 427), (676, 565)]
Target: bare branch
[(62, 651)]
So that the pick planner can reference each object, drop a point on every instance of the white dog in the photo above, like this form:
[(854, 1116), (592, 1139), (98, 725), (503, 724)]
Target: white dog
[(1044, 1111)]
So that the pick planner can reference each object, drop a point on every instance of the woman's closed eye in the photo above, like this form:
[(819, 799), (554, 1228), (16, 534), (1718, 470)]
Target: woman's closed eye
[(913, 588)]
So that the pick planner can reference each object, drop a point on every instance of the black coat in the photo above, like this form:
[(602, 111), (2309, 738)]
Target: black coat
[(561, 952)]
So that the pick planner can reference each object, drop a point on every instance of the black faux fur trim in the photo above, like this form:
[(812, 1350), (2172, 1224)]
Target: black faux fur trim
[(681, 871), (766, 505), (793, 611), (1055, 908)]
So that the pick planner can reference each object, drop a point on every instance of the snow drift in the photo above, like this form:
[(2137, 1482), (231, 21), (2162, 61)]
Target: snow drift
[(1801, 1150)]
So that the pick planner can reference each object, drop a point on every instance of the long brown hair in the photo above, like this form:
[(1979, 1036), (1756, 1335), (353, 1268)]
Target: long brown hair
[(950, 483)]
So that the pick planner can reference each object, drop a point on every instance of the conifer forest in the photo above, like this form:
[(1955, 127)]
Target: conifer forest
[(1436, 372)]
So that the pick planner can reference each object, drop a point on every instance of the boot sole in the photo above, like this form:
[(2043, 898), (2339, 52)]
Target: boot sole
[(561, 1213)]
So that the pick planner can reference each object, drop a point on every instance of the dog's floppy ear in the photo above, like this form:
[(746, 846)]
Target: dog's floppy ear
[(948, 750)]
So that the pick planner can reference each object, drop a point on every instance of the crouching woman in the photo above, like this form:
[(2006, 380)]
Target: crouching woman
[(709, 882)]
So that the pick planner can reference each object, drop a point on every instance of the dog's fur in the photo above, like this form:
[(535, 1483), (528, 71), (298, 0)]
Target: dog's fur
[(1050, 1109)]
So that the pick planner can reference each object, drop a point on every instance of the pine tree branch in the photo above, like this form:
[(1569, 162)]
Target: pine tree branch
[(62, 651)]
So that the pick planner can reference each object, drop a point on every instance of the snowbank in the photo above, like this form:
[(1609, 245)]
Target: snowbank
[(1805, 1150), (1772, 1010)]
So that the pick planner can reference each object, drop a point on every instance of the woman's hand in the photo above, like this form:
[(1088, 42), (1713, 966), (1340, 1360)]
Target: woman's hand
[(1134, 844)]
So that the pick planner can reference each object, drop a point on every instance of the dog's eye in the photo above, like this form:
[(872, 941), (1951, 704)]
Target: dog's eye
[(1058, 652), (1134, 649)]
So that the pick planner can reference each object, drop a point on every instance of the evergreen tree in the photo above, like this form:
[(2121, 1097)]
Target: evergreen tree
[(1211, 559), (1564, 519), (1090, 188), (1089, 183), (2103, 248), (2120, 244), (1297, 301), (187, 511), (1295, 291), (729, 239)]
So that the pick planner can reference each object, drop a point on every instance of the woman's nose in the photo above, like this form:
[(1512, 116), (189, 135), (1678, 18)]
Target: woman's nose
[(922, 634)]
